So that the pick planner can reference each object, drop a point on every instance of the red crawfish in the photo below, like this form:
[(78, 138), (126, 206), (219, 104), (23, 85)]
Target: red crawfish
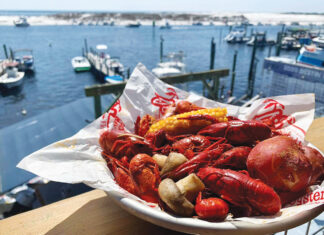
[(141, 179), (207, 157), (234, 158), (238, 132), (213, 209), (120, 144), (241, 190)]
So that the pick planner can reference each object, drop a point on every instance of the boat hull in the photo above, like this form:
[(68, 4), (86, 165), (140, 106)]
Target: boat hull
[(12, 82)]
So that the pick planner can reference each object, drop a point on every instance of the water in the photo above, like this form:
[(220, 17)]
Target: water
[(55, 83)]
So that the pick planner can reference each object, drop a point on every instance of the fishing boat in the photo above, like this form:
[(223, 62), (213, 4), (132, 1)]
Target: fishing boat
[(134, 25), (173, 65), (22, 22), (290, 43), (80, 64), (237, 35), (260, 38), (11, 77), (25, 59), (166, 26), (312, 55)]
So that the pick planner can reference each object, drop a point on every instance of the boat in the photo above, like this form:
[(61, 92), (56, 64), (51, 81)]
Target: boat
[(134, 25), (80, 64), (106, 68), (173, 65), (11, 77), (114, 79), (237, 35), (166, 26), (290, 43), (312, 55), (21, 22), (25, 59), (197, 23), (319, 41), (260, 39)]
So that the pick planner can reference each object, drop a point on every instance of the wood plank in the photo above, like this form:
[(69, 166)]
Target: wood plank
[(112, 88), (315, 133), (88, 213)]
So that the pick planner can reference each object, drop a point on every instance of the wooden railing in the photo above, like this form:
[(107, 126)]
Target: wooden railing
[(210, 80)]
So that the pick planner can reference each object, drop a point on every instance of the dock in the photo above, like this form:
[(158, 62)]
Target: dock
[(98, 66)]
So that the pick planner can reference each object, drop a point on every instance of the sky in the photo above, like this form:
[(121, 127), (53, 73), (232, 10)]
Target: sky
[(168, 5)]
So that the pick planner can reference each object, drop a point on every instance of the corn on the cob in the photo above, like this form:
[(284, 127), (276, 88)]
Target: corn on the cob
[(182, 124)]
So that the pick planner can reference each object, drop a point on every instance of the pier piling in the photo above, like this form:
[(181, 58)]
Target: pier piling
[(233, 73), (212, 54), (86, 45), (5, 50), (161, 48), (250, 78), (279, 39)]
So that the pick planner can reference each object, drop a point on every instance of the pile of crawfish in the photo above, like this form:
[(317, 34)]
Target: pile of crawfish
[(245, 168)]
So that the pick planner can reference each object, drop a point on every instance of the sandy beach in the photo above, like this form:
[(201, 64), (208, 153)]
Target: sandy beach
[(76, 18)]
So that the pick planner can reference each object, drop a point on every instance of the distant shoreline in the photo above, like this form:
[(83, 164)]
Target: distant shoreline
[(173, 18)]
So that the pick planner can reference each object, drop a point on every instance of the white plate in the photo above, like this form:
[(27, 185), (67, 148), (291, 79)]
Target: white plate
[(193, 226)]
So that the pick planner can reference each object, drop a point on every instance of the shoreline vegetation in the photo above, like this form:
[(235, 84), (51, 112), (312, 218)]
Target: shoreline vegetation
[(125, 18)]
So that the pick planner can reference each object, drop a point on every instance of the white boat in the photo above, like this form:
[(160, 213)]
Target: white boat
[(173, 66), (11, 77), (237, 35), (80, 64), (290, 43), (22, 22)]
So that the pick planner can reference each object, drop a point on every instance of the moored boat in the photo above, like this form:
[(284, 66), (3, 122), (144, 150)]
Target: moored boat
[(134, 25), (80, 64), (11, 77), (22, 22), (174, 65), (25, 59), (237, 35)]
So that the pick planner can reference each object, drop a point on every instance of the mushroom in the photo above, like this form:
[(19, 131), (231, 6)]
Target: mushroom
[(173, 161), (160, 159), (190, 186), (171, 195)]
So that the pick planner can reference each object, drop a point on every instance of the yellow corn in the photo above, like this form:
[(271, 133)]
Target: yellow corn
[(178, 124)]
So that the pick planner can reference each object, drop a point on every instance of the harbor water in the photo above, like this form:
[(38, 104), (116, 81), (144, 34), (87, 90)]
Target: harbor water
[(55, 83)]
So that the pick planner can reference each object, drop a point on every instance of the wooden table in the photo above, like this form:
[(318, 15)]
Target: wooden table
[(95, 213)]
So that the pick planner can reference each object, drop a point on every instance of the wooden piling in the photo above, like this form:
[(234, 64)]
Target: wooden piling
[(161, 48), (279, 40), (86, 45), (233, 73), (250, 78), (5, 50), (212, 54)]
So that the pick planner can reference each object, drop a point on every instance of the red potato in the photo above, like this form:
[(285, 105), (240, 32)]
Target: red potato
[(317, 161), (281, 163)]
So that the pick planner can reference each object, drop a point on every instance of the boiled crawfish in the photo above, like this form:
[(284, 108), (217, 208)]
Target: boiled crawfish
[(241, 190), (141, 179), (120, 144), (238, 132), (207, 157)]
